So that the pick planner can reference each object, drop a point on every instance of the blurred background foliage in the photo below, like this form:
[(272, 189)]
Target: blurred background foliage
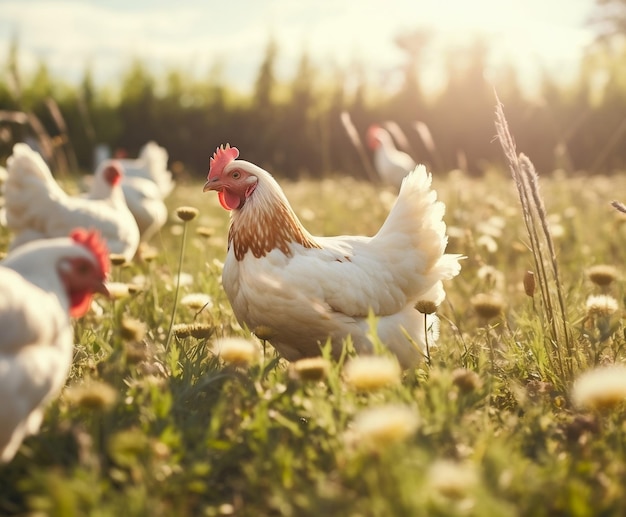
[(295, 128)]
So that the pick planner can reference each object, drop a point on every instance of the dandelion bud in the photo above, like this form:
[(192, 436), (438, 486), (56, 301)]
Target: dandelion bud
[(385, 425), (94, 395), (602, 274), (602, 388), (601, 305), (310, 369), (237, 351), (263, 332), (205, 231), (466, 380), (426, 307), (187, 213), (371, 372), (529, 283), (487, 306), (117, 259), (132, 329)]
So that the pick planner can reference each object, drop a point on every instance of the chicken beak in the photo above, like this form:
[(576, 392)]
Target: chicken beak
[(212, 184), (101, 288)]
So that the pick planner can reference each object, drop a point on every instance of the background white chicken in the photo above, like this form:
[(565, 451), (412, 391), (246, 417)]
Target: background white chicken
[(391, 164), (36, 207), (143, 198), (41, 284), (306, 289), (151, 164)]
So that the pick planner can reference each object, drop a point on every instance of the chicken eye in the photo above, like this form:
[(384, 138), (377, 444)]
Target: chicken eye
[(83, 268), (236, 175)]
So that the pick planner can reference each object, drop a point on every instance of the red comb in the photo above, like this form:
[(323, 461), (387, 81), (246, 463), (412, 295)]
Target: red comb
[(113, 173), (221, 158), (95, 244)]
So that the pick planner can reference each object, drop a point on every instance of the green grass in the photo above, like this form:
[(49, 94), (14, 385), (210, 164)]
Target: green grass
[(188, 435)]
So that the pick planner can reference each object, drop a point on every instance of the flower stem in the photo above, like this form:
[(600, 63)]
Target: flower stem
[(180, 267)]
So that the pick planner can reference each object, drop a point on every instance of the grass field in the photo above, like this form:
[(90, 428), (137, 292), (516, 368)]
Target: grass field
[(493, 426)]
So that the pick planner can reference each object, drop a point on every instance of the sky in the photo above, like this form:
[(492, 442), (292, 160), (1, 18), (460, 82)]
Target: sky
[(195, 35)]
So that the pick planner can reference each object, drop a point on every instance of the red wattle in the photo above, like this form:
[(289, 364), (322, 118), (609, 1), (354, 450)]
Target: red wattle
[(228, 200)]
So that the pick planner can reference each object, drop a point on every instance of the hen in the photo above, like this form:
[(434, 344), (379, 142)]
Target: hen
[(143, 198), (42, 284), (391, 164), (151, 164), (37, 208), (306, 289)]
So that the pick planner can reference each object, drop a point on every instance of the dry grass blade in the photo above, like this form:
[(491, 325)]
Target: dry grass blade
[(399, 136), (619, 206), (353, 135), (541, 241)]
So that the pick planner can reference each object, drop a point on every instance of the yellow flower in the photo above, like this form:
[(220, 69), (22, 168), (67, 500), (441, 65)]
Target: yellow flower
[(118, 290), (310, 368), (452, 479), (384, 425), (601, 388), (371, 372), (237, 351), (196, 301)]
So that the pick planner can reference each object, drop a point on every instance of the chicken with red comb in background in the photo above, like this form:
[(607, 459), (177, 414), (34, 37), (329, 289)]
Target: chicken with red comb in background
[(305, 290), (42, 284), (37, 207), (391, 164)]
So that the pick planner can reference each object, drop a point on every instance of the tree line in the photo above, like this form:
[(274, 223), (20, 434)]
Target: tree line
[(296, 128)]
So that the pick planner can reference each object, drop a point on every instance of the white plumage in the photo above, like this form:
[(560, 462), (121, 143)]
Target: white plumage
[(307, 289), (143, 198), (391, 164), (37, 208), (40, 284), (151, 164)]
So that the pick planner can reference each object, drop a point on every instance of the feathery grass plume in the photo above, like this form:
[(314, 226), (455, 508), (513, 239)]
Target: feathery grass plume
[(310, 369), (602, 274), (185, 214), (600, 389), (541, 241), (382, 426), (353, 135), (367, 373)]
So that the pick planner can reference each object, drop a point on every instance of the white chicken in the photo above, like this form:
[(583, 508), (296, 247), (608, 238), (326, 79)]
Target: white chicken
[(391, 164), (151, 164), (143, 198), (42, 284), (307, 289), (37, 208)]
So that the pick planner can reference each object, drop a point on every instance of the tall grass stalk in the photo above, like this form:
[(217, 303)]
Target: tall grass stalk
[(559, 345), (186, 214)]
